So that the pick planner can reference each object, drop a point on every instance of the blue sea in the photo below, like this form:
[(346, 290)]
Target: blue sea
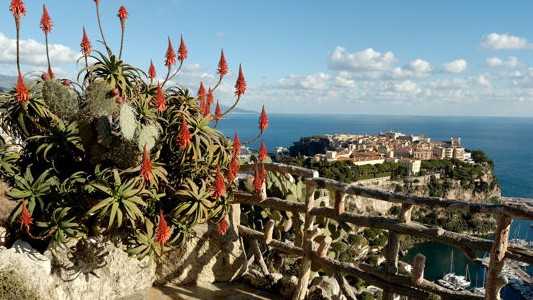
[(507, 141)]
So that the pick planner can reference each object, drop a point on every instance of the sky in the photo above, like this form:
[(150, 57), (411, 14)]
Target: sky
[(414, 57)]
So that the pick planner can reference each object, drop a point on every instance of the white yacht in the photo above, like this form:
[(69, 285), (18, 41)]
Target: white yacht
[(454, 281)]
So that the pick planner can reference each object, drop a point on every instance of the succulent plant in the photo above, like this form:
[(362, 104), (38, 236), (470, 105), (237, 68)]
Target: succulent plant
[(62, 101)]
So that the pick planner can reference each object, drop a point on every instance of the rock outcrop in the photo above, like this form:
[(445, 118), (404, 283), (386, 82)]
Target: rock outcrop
[(28, 274)]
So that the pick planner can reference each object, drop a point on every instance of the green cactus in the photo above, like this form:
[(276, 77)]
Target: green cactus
[(61, 100), (99, 101)]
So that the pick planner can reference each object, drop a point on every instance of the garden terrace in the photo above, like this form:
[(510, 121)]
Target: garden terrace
[(313, 246)]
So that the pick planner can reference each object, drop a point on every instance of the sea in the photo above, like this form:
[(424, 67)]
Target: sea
[(507, 141)]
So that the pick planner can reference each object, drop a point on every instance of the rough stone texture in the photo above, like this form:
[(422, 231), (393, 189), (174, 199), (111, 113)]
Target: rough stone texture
[(120, 276), (207, 257), (324, 287), (6, 205), (3, 236), (27, 270), (32, 271)]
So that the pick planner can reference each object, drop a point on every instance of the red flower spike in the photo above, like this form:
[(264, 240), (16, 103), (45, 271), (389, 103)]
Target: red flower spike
[(222, 226), (25, 217), (160, 100), (151, 71), (236, 145), (18, 9), (146, 166), (182, 50), (263, 120), (222, 65), (50, 73), (234, 166), (210, 97), (218, 112), (263, 152), (184, 138), (220, 185), (21, 92), (201, 90), (170, 58), (46, 21), (162, 234), (259, 178), (240, 85), (122, 14), (86, 48)]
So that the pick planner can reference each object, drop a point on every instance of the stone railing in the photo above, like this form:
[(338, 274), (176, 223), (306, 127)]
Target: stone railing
[(313, 246)]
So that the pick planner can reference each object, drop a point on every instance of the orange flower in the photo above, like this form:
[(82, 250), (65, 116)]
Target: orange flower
[(240, 85), (263, 152), (171, 55), (151, 71), (222, 226), (220, 185), (50, 73), (222, 65), (201, 90), (263, 120), (259, 177), (146, 166), (234, 166), (25, 217), (160, 101), (122, 14), (236, 145), (46, 21), (162, 234), (184, 139), (218, 112), (21, 92), (18, 8), (210, 97), (86, 48), (182, 50)]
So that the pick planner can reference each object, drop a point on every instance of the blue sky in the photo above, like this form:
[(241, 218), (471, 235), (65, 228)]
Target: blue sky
[(371, 57)]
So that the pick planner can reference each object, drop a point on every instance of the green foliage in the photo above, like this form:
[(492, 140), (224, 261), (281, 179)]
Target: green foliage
[(80, 167), (346, 171), (119, 199)]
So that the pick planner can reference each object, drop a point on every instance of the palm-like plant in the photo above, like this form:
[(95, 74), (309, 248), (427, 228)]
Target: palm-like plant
[(61, 225), (8, 162), (121, 199), (62, 140), (34, 190), (114, 72), (197, 204)]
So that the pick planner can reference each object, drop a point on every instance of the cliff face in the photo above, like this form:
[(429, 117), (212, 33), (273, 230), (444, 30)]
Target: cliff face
[(483, 189)]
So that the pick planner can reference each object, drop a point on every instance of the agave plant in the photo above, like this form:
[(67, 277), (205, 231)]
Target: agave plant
[(121, 199), (34, 190), (118, 149), (61, 225)]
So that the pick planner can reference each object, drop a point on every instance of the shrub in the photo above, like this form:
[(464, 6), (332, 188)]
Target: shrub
[(118, 154)]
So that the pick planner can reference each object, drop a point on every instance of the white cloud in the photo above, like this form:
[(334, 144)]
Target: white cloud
[(406, 86), (510, 62), (416, 68), (498, 41), (33, 53), (456, 66), (318, 81), (483, 80), (361, 61)]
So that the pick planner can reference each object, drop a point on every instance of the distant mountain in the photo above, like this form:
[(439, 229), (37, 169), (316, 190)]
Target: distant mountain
[(240, 110), (6, 82)]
